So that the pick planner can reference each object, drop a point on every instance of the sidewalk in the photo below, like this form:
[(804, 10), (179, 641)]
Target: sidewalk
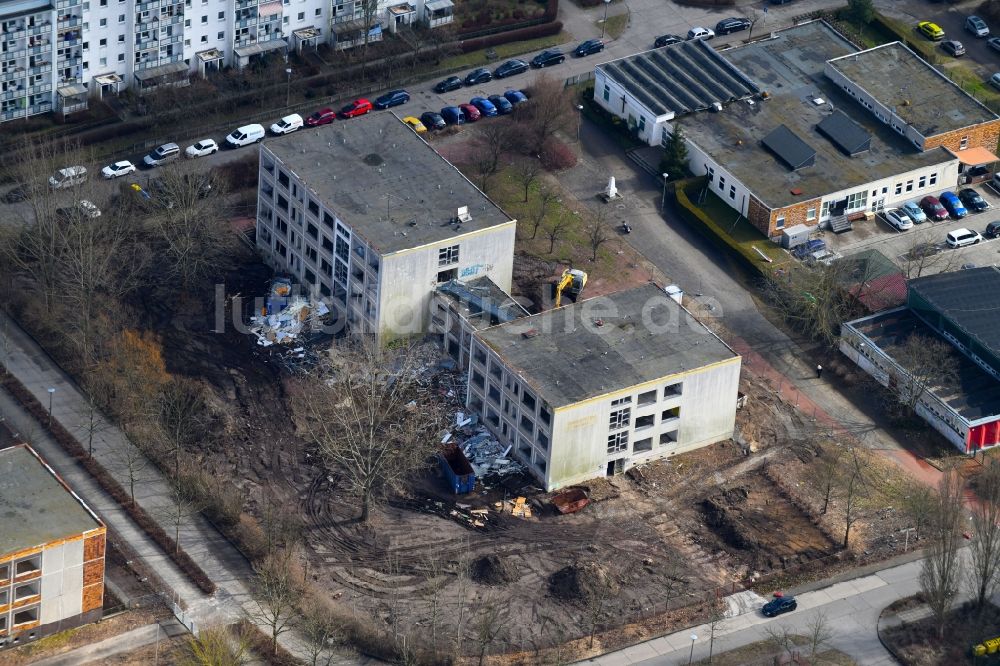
[(126, 642)]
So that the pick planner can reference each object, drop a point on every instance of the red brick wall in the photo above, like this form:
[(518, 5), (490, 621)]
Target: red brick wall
[(985, 135)]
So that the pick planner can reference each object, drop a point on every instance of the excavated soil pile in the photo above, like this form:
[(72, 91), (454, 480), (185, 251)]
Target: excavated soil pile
[(494, 570), (582, 581)]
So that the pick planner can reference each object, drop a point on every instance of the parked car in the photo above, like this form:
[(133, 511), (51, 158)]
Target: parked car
[(202, 148), (953, 48), (68, 177), (118, 169), (589, 47), (808, 248), (168, 152), (485, 106), (963, 237), (477, 76), (994, 43), (16, 194), (972, 200), (547, 58), (503, 106), (700, 33), (510, 68), (449, 84), (392, 98), (995, 80), (977, 26), (515, 97), (732, 24), (933, 209), (415, 124), (780, 2), (358, 107), (931, 31), (779, 605), (82, 208), (667, 40), (321, 117), (289, 123), (453, 115), (914, 212), (899, 219), (433, 120), (244, 136), (977, 171), (992, 229), (471, 113), (953, 205)]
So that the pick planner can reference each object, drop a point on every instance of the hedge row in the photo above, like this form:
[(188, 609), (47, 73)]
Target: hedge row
[(533, 32), (551, 11), (110, 485)]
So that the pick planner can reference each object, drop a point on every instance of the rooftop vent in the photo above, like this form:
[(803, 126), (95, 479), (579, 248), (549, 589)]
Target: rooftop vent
[(530, 333), (818, 101), (463, 214)]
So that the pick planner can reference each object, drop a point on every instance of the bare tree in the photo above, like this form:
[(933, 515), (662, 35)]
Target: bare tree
[(925, 258), (282, 525), (984, 572), (856, 483), (597, 233), (181, 418), (815, 298), (781, 638), (556, 229), (549, 109), (320, 632), (216, 646), (927, 363), (489, 624), (526, 172), (372, 419), (130, 461), (818, 633), (597, 599), (940, 573), (716, 615), (277, 592), (547, 197), (92, 423), (825, 472)]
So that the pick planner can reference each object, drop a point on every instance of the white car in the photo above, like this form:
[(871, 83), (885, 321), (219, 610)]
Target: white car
[(962, 237), (899, 219), (700, 33), (202, 148), (287, 124), (118, 169), (88, 209)]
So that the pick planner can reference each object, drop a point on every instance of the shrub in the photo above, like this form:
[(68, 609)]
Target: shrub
[(522, 34), (556, 155)]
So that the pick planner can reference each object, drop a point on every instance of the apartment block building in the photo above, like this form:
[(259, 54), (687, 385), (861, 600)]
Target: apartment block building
[(57, 54), (596, 387), (368, 215), (51, 551)]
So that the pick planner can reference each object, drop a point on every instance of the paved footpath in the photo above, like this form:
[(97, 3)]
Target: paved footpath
[(122, 643)]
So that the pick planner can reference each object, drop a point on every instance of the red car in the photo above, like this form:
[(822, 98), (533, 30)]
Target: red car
[(933, 208), (321, 117), (358, 107), (471, 113)]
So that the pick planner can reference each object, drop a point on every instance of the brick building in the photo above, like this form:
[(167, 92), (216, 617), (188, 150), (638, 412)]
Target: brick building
[(51, 551)]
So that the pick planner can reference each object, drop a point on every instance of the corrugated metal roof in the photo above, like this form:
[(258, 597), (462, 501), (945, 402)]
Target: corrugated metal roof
[(850, 137), (680, 78), (970, 298), (789, 148)]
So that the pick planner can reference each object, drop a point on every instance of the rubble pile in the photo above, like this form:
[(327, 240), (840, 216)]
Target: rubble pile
[(289, 319), (489, 458)]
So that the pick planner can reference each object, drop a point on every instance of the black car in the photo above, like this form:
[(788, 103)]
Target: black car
[(19, 193), (588, 47), (546, 58), (992, 230), (667, 40), (733, 24), (481, 75), (502, 103), (392, 98), (449, 84), (433, 121), (510, 68), (972, 200), (779, 605), (994, 43)]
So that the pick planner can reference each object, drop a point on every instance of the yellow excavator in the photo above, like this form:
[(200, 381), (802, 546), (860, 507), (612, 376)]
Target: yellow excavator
[(573, 281)]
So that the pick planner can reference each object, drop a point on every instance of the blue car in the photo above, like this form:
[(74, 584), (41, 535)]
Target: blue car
[(392, 98), (515, 97), (453, 115), (503, 106), (484, 105), (953, 205)]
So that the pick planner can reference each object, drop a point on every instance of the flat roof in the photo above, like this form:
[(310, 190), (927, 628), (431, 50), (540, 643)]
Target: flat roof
[(385, 181), (35, 506), (970, 298), (976, 395), (789, 67), (901, 80), (605, 344), (482, 302), (681, 78)]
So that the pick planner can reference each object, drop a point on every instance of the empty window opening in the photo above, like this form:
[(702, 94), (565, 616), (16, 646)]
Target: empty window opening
[(26, 616), (527, 425), (643, 445), (647, 398), (26, 590), (645, 421), (528, 400), (4, 571), (28, 565), (672, 391), (448, 256), (674, 413), (621, 401), (618, 442), (620, 418), (668, 438)]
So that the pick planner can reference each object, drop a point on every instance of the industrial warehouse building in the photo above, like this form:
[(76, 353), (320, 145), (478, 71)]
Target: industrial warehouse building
[(367, 214), (801, 127), (963, 309), (596, 387), (51, 551)]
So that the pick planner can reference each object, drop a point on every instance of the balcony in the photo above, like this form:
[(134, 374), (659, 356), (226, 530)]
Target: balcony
[(41, 48)]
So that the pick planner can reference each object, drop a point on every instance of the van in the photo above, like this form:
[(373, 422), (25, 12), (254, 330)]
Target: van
[(162, 155), (287, 124), (963, 237), (244, 136), (68, 177)]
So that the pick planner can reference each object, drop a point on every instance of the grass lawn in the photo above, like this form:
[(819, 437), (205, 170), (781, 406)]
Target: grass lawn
[(760, 651), (615, 25), (735, 225), (504, 51)]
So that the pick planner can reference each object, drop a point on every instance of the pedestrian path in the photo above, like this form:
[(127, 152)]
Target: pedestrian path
[(125, 643)]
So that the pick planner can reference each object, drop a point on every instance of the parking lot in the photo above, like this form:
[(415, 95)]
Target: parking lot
[(899, 245)]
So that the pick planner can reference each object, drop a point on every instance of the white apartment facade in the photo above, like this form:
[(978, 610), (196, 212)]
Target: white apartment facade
[(55, 55)]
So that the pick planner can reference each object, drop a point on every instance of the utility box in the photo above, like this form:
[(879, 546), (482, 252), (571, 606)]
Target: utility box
[(458, 472), (795, 236)]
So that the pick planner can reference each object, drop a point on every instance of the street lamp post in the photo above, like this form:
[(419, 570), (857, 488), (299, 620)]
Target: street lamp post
[(694, 637), (288, 86), (51, 391), (579, 120), (604, 23), (663, 199)]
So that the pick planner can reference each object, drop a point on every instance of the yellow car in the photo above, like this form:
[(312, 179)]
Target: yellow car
[(415, 124), (931, 31)]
